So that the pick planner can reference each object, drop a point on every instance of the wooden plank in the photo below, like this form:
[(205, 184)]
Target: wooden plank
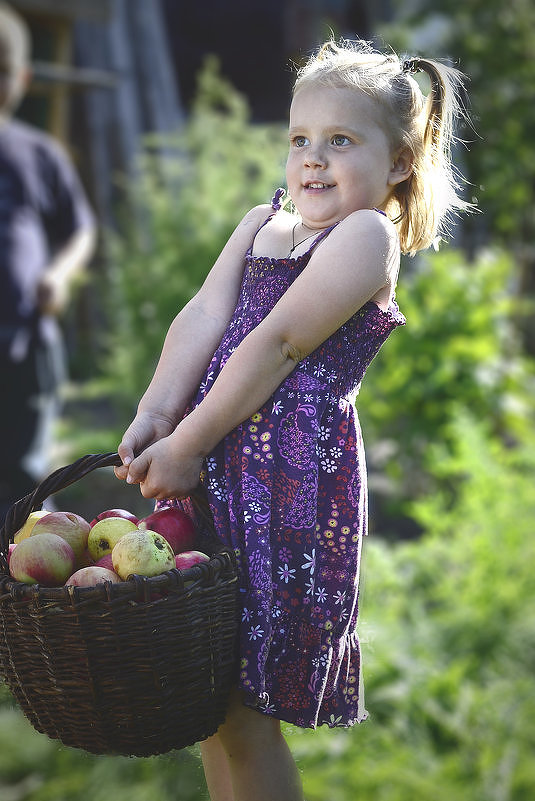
[(77, 77), (95, 10)]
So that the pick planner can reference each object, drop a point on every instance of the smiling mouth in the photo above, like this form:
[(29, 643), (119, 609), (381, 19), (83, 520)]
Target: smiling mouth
[(317, 185)]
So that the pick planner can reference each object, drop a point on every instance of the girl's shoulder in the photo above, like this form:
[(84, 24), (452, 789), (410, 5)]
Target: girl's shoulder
[(367, 230), (272, 239), (260, 214), (369, 221)]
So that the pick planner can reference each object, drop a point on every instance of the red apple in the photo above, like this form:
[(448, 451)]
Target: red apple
[(92, 575), (105, 561), (115, 513), (175, 525), (189, 558), (46, 559)]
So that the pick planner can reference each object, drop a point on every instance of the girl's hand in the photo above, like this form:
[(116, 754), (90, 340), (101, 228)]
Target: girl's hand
[(162, 471), (145, 429)]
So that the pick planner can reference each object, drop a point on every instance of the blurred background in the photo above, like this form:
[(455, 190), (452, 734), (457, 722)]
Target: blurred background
[(174, 116)]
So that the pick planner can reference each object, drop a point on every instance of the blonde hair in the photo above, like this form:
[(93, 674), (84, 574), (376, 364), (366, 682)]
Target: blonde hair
[(422, 206)]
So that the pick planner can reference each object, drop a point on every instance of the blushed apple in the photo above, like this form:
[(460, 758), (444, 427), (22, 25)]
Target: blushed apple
[(175, 525), (11, 548), (92, 575), (115, 513), (105, 561), (26, 529), (106, 533), (144, 552), (47, 559), (189, 558), (68, 525)]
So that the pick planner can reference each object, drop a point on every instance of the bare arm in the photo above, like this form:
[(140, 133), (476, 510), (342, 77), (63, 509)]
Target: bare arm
[(190, 343), (350, 267)]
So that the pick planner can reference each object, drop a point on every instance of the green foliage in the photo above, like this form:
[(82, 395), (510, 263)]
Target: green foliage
[(182, 207), (493, 43), (459, 350)]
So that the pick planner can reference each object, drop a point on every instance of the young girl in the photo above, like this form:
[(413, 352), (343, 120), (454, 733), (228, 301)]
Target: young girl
[(255, 385)]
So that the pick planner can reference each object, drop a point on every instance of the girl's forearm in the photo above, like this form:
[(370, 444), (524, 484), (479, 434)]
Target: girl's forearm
[(250, 376), (189, 345)]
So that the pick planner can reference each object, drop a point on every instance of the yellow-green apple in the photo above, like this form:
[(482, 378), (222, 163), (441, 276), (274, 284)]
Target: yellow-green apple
[(106, 533), (144, 552), (47, 559), (92, 575), (73, 528), (189, 558), (175, 525), (31, 520), (115, 513)]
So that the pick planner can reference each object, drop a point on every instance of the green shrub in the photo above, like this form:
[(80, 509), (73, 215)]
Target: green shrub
[(459, 350)]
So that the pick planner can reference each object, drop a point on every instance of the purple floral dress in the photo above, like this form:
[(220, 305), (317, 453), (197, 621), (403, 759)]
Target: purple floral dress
[(287, 489)]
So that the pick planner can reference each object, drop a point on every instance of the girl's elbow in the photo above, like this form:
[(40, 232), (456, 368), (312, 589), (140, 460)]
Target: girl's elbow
[(292, 353)]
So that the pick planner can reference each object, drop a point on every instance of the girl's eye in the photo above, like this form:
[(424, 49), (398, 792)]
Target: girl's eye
[(340, 139), (299, 141)]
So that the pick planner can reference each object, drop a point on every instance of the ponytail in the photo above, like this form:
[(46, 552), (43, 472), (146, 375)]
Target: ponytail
[(426, 202)]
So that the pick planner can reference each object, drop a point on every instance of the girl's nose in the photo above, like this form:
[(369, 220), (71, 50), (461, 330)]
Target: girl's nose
[(315, 157)]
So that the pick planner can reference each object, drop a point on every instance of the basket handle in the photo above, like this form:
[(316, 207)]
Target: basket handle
[(58, 480)]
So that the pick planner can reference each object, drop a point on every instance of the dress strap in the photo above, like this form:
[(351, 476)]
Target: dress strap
[(320, 237), (275, 205), (276, 199)]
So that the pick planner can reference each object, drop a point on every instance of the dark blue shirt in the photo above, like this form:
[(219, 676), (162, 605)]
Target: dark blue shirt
[(42, 204)]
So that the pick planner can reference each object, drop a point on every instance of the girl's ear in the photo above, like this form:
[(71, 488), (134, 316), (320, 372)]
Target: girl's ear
[(401, 167)]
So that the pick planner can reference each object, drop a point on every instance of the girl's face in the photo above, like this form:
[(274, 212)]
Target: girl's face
[(340, 159)]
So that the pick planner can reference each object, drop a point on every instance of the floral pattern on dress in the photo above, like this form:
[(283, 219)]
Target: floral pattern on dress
[(288, 493)]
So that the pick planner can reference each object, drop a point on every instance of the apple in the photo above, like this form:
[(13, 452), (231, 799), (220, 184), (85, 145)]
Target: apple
[(189, 558), (26, 529), (106, 533), (92, 575), (85, 560), (175, 525), (73, 528), (105, 561), (144, 552), (115, 513), (11, 548), (47, 559)]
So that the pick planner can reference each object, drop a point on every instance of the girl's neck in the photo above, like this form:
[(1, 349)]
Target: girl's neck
[(300, 239)]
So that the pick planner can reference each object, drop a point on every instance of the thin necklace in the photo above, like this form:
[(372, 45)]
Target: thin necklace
[(296, 244)]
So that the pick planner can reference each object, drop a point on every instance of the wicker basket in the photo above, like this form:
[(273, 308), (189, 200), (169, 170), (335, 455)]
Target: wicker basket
[(138, 668)]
